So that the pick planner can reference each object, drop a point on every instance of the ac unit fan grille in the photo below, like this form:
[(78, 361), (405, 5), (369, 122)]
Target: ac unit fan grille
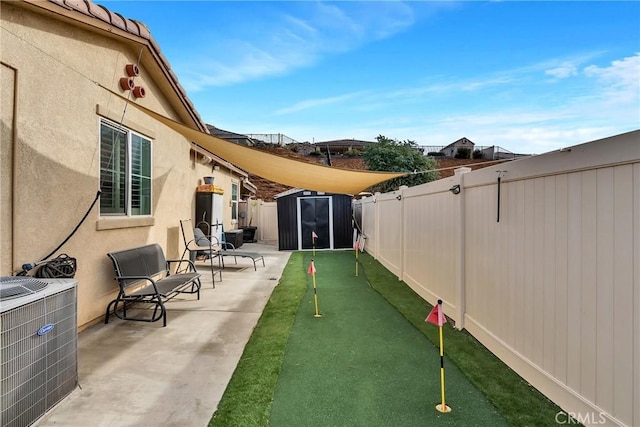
[(14, 287)]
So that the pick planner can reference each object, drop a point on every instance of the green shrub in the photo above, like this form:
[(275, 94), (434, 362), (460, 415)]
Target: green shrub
[(463, 153)]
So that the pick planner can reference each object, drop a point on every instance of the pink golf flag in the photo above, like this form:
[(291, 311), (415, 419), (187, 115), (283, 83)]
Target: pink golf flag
[(436, 316), (314, 235), (356, 246), (312, 269)]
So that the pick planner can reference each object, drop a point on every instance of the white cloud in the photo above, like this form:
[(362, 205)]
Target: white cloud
[(288, 42), (564, 71), (311, 103), (619, 82)]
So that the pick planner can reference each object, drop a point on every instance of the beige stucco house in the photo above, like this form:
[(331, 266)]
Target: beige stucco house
[(66, 134)]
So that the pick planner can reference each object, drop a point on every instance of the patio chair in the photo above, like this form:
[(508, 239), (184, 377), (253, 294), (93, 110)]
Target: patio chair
[(196, 243), (229, 250)]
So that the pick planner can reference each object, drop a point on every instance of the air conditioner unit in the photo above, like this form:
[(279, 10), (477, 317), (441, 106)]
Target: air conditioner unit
[(38, 346)]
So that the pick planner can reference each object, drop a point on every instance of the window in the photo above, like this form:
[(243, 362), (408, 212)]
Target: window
[(234, 201), (125, 171)]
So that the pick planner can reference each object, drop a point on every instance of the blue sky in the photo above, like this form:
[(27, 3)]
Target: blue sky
[(530, 77)]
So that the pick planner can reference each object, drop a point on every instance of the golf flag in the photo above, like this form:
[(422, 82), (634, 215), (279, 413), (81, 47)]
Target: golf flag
[(356, 246), (436, 316), (312, 269), (314, 236)]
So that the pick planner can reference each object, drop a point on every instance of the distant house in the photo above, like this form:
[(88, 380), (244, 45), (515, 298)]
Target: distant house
[(498, 153), (237, 138), (341, 146), (452, 149)]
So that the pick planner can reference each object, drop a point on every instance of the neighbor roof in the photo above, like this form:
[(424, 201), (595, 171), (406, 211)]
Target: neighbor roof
[(238, 138), (461, 141), (344, 143)]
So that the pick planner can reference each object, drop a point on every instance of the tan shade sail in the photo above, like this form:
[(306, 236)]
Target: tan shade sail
[(285, 171)]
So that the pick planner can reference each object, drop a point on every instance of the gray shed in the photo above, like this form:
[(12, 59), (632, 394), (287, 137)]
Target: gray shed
[(302, 213)]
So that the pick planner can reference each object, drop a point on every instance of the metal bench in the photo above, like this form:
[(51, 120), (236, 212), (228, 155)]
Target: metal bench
[(144, 276)]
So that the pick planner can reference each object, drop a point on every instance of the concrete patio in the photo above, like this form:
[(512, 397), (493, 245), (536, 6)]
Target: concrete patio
[(141, 374)]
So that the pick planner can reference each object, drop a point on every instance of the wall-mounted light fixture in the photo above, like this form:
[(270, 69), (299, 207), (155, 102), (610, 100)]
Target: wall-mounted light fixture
[(455, 189), (399, 197)]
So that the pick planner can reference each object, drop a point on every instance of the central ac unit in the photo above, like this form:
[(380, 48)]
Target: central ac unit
[(38, 346)]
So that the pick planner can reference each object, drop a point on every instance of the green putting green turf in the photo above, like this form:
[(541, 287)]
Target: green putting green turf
[(363, 364)]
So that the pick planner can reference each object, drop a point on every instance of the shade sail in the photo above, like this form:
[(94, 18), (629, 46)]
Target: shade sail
[(282, 170)]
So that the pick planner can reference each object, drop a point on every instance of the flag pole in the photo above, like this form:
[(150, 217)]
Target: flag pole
[(437, 317), (356, 249), (442, 407), (312, 270)]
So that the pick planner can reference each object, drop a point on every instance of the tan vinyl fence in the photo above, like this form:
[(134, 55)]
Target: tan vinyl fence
[(267, 222), (547, 276)]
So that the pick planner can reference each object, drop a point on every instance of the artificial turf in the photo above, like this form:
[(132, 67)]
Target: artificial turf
[(353, 366), (363, 364)]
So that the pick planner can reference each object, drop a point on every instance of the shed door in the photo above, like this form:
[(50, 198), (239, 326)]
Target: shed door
[(314, 215)]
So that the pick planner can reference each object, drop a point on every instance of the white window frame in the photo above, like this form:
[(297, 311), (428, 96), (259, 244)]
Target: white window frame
[(235, 197), (145, 198)]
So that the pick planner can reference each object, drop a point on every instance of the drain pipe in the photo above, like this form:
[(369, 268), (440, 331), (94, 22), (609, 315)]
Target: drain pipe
[(12, 175)]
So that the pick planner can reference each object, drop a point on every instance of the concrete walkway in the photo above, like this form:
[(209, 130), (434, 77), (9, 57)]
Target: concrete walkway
[(141, 374)]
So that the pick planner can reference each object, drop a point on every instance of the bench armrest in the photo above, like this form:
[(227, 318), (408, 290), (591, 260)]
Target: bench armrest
[(192, 266)]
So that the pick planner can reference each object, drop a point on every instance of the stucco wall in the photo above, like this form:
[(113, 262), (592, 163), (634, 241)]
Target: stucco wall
[(57, 153)]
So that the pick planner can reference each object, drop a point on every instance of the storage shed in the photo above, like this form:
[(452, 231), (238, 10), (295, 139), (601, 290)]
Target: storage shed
[(302, 213)]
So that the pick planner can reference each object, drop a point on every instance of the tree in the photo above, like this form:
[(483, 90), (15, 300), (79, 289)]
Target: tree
[(391, 155), (477, 154)]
